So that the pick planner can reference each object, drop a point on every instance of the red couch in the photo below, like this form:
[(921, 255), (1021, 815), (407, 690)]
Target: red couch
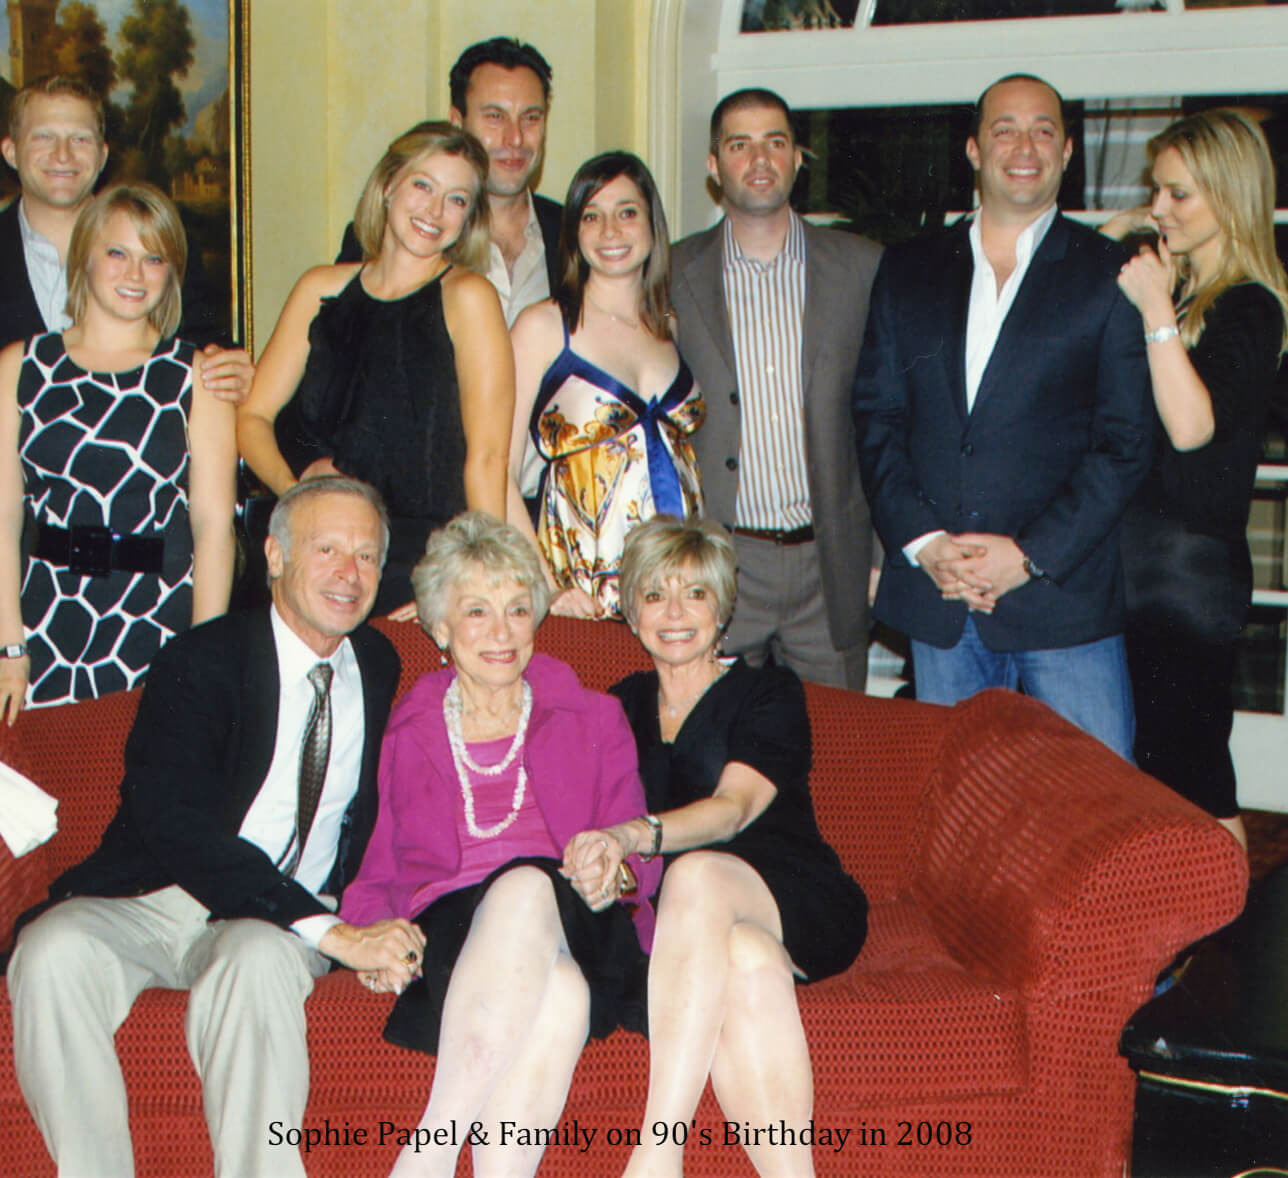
[(1026, 888)]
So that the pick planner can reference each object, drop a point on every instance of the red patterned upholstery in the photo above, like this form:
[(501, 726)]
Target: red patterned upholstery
[(1027, 887)]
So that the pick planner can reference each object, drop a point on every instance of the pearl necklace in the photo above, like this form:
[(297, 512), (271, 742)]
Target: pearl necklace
[(464, 762)]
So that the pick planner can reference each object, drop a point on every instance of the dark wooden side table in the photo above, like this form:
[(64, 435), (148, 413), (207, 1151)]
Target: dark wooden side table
[(1211, 1054)]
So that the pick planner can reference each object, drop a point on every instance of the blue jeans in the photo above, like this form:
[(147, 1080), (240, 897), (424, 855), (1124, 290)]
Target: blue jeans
[(1088, 685)]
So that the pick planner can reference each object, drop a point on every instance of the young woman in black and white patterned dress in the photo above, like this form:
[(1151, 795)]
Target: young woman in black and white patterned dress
[(124, 461)]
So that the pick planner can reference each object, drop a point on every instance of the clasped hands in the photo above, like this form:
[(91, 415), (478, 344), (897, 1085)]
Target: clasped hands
[(575, 603), (978, 568), (386, 954), (593, 863)]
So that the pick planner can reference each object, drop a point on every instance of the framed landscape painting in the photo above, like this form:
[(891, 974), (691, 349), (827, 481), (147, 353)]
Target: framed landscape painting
[(173, 75)]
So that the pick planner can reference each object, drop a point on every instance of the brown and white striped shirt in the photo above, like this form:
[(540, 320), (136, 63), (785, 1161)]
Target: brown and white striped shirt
[(766, 311)]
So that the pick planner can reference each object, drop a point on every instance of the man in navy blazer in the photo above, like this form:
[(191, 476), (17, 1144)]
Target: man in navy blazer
[(1004, 420), (205, 879)]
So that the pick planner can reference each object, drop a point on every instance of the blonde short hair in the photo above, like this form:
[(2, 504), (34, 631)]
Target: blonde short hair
[(664, 546), (430, 138), (160, 231), (475, 539)]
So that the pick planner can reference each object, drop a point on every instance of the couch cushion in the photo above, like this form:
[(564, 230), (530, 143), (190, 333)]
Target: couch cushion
[(907, 1023)]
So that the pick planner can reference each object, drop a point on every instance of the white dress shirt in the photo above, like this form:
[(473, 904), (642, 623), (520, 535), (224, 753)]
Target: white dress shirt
[(270, 821), (989, 306), (985, 315), (530, 283), (47, 273)]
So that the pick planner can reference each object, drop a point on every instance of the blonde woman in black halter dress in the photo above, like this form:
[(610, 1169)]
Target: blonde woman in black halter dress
[(396, 370)]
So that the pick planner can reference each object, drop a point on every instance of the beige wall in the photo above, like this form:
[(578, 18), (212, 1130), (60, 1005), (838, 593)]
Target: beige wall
[(332, 81)]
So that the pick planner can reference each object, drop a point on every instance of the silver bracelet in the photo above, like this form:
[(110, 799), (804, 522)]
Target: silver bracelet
[(1162, 334), (655, 823)]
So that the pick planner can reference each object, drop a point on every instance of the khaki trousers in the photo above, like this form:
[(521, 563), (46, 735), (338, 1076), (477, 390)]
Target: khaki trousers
[(780, 611), (73, 978)]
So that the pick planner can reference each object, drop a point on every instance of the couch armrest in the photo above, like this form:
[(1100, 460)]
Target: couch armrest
[(1054, 866)]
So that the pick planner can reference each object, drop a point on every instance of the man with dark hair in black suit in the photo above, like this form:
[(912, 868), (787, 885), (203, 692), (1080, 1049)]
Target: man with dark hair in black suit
[(248, 799)]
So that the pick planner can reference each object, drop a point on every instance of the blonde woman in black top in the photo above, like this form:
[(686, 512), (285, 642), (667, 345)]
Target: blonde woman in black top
[(1214, 304)]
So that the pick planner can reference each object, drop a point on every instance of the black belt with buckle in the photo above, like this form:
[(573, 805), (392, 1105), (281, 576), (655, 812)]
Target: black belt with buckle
[(778, 535), (91, 550)]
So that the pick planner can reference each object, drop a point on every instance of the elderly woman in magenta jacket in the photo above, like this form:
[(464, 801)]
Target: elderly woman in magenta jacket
[(488, 770)]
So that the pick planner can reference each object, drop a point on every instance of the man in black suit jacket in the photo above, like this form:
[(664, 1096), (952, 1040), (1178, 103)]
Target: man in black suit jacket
[(55, 144), (1004, 420), (500, 93), (208, 878)]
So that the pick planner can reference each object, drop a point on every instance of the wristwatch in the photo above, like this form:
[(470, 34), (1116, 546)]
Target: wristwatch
[(1029, 567), (13, 650)]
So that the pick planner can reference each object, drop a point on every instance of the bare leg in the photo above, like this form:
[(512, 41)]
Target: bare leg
[(706, 895), (495, 1011), (534, 1090), (762, 1073)]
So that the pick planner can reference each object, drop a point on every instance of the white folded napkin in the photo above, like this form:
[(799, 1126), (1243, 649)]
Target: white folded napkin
[(26, 812)]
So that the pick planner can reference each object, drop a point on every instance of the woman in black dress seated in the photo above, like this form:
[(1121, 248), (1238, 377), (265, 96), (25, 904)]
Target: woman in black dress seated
[(752, 900), (396, 370), (1214, 302)]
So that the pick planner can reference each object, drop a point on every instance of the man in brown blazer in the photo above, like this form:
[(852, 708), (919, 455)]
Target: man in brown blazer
[(771, 315)]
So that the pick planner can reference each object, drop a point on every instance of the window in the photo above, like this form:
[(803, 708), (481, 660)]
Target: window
[(894, 171)]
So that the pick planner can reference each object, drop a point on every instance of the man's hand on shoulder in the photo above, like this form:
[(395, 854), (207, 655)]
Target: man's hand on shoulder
[(391, 948), (227, 372)]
